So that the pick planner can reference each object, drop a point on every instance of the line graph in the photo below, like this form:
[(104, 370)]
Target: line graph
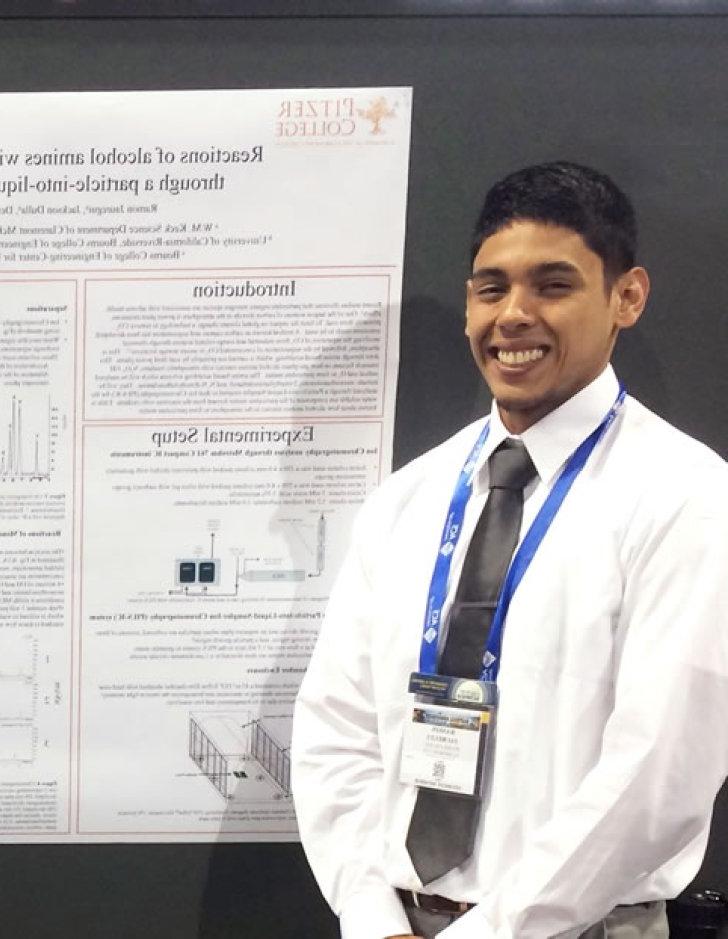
[(28, 437), (18, 699)]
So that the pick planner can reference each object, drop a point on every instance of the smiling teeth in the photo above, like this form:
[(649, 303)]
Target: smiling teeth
[(520, 357)]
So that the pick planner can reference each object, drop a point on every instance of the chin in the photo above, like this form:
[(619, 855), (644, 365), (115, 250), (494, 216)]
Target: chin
[(511, 402), (518, 413)]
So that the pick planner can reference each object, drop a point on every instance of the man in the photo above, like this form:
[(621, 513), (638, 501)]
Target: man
[(612, 674)]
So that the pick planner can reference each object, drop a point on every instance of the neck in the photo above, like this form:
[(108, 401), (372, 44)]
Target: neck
[(516, 421)]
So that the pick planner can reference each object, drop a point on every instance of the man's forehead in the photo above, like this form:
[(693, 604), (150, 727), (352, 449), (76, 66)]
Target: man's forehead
[(533, 244), (540, 269)]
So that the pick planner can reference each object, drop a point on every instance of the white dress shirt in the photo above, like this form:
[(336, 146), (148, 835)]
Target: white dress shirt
[(613, 685)]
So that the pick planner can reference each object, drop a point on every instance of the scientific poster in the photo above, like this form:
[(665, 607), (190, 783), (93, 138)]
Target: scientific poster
[(199, 323)]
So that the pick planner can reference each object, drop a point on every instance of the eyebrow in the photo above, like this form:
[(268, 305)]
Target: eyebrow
[(540, 270)]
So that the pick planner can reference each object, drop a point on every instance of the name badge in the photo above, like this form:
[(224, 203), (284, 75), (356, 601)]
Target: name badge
[(445, 740)]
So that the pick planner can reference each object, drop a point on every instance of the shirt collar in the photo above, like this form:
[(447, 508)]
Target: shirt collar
[(552, 440)]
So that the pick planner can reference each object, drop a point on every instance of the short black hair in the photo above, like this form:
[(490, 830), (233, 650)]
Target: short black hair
[(573, 196)]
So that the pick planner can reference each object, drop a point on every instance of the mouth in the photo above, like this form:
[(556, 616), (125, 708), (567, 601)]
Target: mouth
[(518, 358)]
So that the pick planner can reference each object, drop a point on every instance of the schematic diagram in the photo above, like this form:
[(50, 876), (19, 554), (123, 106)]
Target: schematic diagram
[(195, 575), (244, 758), (18, 699), (201, 574), (298, 533)]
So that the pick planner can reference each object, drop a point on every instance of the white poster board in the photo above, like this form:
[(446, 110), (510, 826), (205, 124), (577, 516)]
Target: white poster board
[(199, 318)]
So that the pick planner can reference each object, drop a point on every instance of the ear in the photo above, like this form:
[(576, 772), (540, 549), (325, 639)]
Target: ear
[(632, 289)]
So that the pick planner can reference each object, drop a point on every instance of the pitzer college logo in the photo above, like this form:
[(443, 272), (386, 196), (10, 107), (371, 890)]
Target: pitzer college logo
[(332, 119), (376, 112)]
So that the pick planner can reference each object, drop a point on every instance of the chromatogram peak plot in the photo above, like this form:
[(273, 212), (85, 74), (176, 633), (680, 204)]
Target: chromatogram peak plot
[(28, 437)]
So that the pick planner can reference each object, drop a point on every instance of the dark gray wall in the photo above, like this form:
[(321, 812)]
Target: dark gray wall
[(642, 97)]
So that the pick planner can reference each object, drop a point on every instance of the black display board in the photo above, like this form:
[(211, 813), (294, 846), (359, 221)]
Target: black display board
[(642, 96)]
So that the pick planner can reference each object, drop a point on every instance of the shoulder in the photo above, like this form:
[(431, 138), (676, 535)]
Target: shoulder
[(665, 467), (444, 460), (430, 476), (660, 444)]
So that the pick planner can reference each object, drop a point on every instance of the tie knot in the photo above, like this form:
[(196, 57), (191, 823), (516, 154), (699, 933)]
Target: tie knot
[(510, 466)]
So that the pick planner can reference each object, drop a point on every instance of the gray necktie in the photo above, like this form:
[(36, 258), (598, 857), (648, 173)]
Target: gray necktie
[(442, 830)]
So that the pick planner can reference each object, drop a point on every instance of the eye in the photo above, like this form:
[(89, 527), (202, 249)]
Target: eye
[(490, 293), (555, 287)]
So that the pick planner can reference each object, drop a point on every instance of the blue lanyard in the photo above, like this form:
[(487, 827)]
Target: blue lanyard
[(522, 558)]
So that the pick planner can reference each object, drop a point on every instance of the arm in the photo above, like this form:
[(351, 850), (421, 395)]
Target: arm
[(337, 768), (646, 803)]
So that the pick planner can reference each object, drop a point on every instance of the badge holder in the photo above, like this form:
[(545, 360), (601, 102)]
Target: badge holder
[(447, 736)]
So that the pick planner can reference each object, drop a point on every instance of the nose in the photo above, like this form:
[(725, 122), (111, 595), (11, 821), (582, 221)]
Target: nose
[(515, 312)]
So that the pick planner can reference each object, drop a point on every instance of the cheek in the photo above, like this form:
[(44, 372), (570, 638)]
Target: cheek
[(475, 340), (469, 321), (592, 339), (476, 325)]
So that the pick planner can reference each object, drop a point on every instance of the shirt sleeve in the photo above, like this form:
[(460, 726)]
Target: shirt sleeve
[(336, 762), (649, 797)]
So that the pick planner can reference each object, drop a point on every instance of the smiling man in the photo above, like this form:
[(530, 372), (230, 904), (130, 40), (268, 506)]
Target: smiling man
[(508, 726), (543, 316)]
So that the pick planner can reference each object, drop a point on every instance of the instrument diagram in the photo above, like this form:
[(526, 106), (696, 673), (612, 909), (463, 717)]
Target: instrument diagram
[(200, 574), (242, 757)]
